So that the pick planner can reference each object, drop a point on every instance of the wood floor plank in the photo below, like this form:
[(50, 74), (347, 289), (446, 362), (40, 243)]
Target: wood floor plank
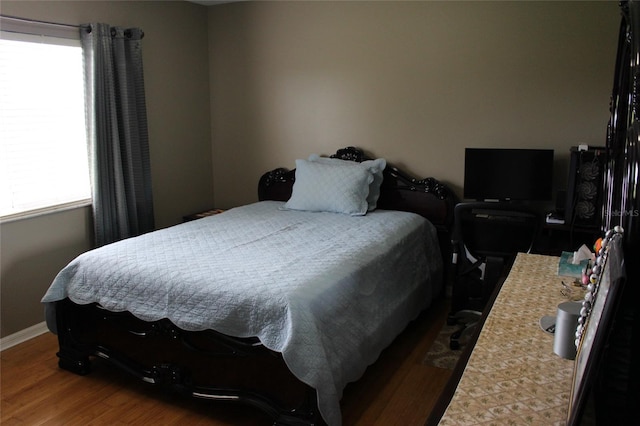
[(414, 399), (366, 400), (397, 389)]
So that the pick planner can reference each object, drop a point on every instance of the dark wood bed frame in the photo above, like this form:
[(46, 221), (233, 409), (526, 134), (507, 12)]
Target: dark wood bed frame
[(160, 353)]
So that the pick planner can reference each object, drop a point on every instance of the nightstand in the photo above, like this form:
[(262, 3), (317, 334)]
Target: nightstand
[(200, 215)]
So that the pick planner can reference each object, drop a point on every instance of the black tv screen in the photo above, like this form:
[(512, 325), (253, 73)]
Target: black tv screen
[(508, 174)]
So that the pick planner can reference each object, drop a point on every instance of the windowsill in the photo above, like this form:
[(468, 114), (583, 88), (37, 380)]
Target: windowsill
[(45, 211)]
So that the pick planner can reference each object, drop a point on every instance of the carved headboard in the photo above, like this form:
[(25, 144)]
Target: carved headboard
[(399, 191)]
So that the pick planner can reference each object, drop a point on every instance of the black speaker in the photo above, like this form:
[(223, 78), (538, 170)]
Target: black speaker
[(584, 189)]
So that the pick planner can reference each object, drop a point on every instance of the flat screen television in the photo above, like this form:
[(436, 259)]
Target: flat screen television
[(508, 174)]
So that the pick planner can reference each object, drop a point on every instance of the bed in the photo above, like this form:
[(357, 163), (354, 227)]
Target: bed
[(278, 304)]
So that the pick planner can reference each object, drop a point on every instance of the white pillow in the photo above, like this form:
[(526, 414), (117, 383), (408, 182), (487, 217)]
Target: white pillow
[(375, 167), (330, 188)]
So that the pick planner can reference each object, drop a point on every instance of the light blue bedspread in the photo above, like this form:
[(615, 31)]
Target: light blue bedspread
[(328, 291)]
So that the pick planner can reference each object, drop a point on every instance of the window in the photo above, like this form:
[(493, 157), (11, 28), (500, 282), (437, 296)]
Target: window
[(43, 141)]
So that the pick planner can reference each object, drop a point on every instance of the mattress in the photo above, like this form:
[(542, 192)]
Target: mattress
[(328, 291)]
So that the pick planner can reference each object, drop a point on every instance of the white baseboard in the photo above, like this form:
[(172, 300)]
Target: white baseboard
[(23, 335)]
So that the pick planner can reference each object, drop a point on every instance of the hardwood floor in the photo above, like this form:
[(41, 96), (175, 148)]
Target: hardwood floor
[(397, 390)]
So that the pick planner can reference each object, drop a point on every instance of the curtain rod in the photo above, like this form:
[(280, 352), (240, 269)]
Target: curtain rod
[(62, 28), (56, 24), (37, 21)]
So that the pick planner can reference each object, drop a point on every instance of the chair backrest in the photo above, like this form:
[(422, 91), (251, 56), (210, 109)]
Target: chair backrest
[(495, 229), (485, 240)]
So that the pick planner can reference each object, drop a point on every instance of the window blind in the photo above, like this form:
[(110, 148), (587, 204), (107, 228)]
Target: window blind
[(43, 150)]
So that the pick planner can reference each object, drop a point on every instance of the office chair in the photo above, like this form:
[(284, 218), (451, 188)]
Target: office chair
[(486, 238)]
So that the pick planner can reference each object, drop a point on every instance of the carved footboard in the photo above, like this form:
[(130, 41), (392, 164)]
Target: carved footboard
[(203, 364)]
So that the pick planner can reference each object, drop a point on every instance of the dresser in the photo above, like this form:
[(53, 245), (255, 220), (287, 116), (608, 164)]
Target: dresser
[(512, 375)]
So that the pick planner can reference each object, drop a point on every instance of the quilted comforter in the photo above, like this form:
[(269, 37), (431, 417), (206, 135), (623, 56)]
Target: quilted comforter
[(328, 291)]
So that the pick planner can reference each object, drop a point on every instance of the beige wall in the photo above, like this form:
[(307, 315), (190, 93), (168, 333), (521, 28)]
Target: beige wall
[(177, 90), (414, 82)]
